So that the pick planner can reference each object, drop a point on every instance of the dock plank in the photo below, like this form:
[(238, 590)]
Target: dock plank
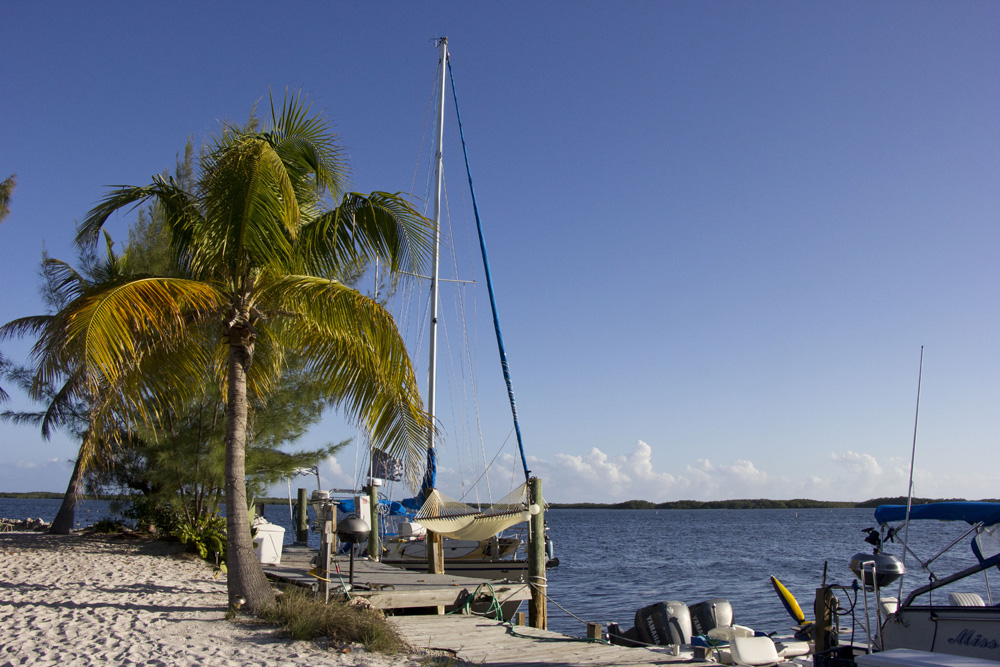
[(484, 642)]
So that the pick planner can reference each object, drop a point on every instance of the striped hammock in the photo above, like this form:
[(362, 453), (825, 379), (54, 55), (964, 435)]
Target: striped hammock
[(453, 518)]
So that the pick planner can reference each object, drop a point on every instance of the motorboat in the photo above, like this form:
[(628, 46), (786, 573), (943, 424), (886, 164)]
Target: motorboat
[(954, 613)]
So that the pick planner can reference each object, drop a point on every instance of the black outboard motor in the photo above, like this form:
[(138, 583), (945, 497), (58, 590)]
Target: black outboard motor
[(714, 613), (664, 623)]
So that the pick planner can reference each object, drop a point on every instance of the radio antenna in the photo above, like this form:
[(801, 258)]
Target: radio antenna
[(913, 456)]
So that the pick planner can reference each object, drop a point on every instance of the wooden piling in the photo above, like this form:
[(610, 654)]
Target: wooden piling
[(435, 552), (302, 519), (825, 610), (537, 614)]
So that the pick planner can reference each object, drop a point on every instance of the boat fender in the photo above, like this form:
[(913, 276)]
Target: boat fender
[(549, 549)]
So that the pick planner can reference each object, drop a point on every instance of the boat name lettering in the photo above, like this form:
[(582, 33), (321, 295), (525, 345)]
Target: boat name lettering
[(968, 637)]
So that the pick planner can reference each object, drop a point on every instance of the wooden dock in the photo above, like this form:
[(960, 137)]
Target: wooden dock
[(394, 589), (481, 641), (413, 600)]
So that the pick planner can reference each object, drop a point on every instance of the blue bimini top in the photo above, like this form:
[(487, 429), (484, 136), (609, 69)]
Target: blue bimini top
[(967, 511)]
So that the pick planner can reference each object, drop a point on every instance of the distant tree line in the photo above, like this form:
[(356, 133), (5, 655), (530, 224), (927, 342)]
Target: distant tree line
[(749, 504)]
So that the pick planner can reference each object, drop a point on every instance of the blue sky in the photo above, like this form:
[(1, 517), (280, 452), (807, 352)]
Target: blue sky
[(720, 231)]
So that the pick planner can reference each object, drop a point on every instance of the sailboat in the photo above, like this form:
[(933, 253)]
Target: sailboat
[(440, 531)]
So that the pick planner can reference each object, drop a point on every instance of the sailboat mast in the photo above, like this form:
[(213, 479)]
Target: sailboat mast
[(438, 178), (434, 541)]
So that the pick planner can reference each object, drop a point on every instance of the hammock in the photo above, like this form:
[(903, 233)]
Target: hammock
[(453, 518)]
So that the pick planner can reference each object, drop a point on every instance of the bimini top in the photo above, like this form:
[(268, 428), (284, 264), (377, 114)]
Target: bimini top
[(967, 511)]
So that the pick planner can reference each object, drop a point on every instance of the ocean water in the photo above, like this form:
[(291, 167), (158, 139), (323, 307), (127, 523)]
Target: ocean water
[(613, 562)]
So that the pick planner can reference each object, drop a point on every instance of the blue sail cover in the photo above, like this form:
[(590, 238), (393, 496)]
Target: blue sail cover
[(346, 505), (430, 479), (967, 511)]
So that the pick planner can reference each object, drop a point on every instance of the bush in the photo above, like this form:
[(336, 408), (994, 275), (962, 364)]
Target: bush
[(148, 515), (108, 526), (205, 536), (303, 616)]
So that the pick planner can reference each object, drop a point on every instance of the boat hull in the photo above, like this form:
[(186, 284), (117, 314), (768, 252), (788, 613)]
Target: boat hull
[(967, 631)]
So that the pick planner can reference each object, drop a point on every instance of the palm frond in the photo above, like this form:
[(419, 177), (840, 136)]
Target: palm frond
[(107, 327), (251, 211), (22, 327), (355, 352), (379, 226), (180, 208), (307, 146)]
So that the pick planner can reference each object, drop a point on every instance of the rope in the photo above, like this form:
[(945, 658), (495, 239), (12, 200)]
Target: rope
[(494, 608), (585, 640), (466, 607)]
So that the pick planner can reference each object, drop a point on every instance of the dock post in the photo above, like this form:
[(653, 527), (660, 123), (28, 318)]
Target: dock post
[(374, 543), (326, 548), (302, 519), (435, 552), (825, 610), (537, 617)]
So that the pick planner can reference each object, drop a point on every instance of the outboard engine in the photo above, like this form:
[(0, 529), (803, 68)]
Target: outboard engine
[(714, 613), (669, 623), (664, 623)]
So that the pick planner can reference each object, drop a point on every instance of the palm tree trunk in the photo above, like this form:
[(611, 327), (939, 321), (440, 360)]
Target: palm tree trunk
[(245, 578), (63, 523)]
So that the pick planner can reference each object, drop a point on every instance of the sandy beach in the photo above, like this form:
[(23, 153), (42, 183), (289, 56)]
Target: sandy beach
[(97, 600)]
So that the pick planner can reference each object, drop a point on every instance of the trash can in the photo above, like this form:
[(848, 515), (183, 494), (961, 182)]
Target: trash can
[(268, 543)]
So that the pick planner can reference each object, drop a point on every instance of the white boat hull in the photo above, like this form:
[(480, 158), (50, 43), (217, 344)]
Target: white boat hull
[(967, 631)]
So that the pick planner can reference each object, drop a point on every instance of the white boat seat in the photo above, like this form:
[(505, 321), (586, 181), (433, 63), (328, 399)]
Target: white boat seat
[(965, 600), (791, 649), (729, 632), (889, 604), (754, 651)]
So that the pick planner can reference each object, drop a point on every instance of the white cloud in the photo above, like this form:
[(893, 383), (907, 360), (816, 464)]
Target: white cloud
[(333, 474), (857, 463)]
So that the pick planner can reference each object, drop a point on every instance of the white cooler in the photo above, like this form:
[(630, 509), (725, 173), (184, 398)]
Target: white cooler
[(268, 543)]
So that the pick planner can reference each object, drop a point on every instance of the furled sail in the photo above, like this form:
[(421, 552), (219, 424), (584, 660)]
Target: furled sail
[(453, 518)]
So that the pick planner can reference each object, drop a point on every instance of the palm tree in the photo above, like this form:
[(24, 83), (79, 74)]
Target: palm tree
[(6, 191), (261, 248), (55, 377)]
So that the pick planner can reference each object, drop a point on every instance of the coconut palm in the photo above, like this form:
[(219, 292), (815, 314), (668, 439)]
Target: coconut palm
[(54, 377), (6, 189), (261, 245)]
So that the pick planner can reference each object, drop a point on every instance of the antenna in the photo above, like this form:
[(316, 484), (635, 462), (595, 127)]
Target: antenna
[(913, 456)]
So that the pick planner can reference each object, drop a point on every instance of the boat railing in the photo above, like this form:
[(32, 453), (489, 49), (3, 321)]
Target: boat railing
[(962, 574)]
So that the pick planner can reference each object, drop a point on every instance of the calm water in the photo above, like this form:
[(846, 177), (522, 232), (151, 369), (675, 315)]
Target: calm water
[(613, 562)]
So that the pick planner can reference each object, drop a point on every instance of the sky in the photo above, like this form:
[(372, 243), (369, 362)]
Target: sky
[(720, 232)]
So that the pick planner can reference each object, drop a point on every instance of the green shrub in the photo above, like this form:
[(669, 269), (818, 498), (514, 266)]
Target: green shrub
[(302, 616), (109, 526), (150, 515), (205, 536)]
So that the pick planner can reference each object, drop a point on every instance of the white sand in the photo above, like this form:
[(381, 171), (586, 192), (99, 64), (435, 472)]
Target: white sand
[(92, 600)]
